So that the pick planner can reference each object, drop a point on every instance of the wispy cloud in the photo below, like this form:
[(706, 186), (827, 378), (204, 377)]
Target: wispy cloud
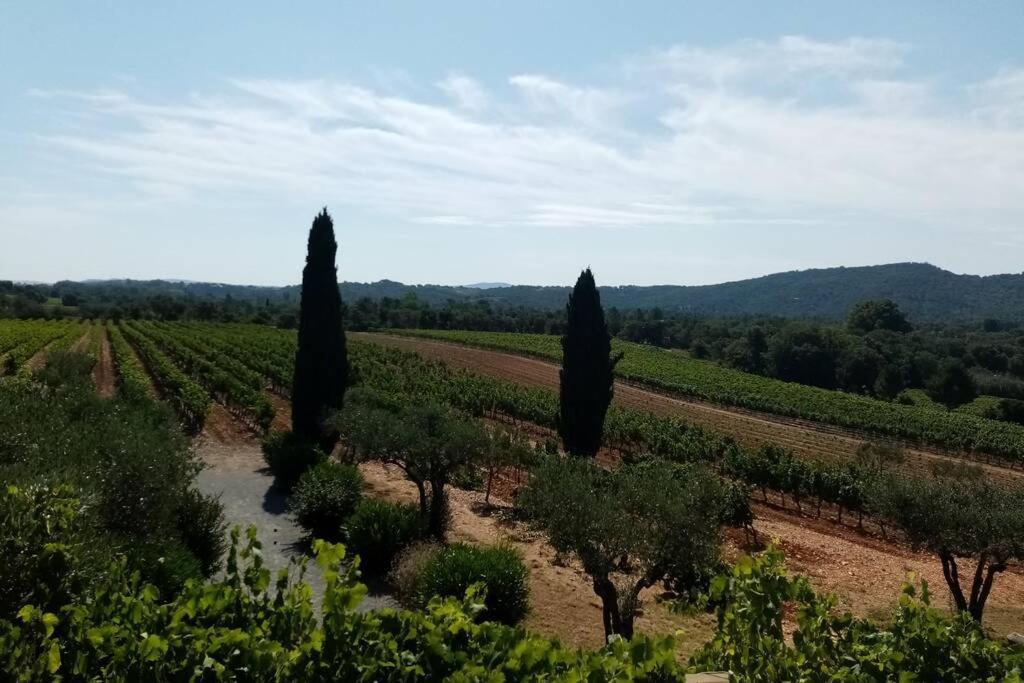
[(466, 92), (689, 136)]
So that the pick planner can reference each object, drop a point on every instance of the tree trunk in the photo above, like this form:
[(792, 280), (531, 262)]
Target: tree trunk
[(490, 480), (979, 592), (438, 510), (952, 576), (421, 487), (617, 621)]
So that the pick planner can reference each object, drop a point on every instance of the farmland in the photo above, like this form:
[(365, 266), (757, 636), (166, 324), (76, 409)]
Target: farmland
[(680, 375), (227, 383)]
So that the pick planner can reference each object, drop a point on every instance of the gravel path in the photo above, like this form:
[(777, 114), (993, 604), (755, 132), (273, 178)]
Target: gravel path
[(235, 471)]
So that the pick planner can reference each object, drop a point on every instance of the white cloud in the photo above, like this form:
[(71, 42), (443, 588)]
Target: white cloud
[(1000, 99), (585, 105), (464, 91), (721, 149), (788, 57)]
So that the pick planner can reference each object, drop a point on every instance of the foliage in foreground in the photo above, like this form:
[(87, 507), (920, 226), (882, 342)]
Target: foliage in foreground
[(920, 645), (240, 628), (126, 464), (247, 626)]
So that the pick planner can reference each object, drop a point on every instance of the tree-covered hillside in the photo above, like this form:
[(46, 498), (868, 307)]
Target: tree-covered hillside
[(923, 291)]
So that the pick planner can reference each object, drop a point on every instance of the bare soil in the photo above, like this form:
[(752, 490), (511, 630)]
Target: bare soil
[(282, 412), (103, 374), (749, 428)]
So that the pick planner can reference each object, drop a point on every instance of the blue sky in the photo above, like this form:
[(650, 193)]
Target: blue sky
[(658, 142)]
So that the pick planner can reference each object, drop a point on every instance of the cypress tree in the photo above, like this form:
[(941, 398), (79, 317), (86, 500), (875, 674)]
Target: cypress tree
[(321, 361), (586, 380)]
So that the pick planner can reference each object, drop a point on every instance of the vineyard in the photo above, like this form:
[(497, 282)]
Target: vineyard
[(706, 381), (194, 365)]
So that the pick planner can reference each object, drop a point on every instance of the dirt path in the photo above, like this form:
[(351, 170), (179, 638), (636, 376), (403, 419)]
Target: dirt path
[(82, 344), (103, 373), (749, 428), (235, 472)]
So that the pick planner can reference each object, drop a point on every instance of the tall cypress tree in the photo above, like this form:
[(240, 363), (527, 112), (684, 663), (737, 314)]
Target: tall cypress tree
[(321, 361), (587, 364)]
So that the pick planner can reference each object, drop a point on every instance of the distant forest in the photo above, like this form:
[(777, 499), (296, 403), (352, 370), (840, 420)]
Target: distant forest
[(923, 292), (861, 330)]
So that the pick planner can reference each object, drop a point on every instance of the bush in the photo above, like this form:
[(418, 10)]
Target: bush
[(167, 564), (325, 497), (48, 548), (247, 627), (203, 529), (405, 576), (288, 456), (65, 367), (378, 531), (500, 569)]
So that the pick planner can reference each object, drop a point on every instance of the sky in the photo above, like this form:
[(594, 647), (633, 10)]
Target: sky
[(457, 142)]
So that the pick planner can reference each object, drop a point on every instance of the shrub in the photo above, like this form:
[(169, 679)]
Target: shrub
[(65, 367), (500, 569), (325, 497), (405, 575), (165, 563), (48, 550), (203, 529), (288, 456), (378, 531), (247, 628)]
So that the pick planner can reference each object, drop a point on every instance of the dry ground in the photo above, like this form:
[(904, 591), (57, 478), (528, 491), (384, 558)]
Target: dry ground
[(103, 373)]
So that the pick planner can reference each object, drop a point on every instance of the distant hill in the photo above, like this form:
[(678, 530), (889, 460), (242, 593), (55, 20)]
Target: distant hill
[(924, 291), (487, 285)]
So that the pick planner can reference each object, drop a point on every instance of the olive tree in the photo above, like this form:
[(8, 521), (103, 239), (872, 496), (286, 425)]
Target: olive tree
[(975, 521), (426, 441), (630, 528)]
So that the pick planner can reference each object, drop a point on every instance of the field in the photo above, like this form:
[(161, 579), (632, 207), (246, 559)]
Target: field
[(816, 440), (955, 431), (228, 382)]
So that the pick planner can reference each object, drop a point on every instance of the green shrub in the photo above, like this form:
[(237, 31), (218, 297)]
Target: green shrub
[(325, 497), (288, 456), (47, 547), (378, 531), (203, 529), (245, 628), (500, 569), (65, 367), (166, 564)]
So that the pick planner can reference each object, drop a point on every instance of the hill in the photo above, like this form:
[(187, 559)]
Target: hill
[(924, 291)]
